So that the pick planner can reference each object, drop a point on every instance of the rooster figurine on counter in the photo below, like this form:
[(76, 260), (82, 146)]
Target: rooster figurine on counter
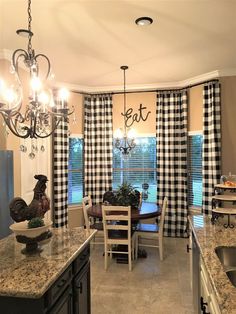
[(40, 204)]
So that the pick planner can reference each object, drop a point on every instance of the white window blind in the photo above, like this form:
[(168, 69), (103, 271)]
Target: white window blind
[(195, 170), (75, 171), (138, 169)]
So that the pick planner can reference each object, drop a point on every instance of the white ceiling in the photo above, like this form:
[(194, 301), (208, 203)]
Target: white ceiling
[(88, 41)]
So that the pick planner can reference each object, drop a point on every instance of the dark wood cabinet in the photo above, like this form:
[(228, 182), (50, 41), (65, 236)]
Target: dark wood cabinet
[(70, 294), (81, 285), (64, 305)]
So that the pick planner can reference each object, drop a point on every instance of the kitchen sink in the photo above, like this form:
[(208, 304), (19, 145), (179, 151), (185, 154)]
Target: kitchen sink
[(227, 256), (232, 276)]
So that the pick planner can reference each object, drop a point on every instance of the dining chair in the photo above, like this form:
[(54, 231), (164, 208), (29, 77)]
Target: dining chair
[(117, 232), (90, 223), (151, 232)]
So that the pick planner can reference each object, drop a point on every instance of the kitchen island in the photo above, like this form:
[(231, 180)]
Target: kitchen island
[(56, 280), (208, 237)]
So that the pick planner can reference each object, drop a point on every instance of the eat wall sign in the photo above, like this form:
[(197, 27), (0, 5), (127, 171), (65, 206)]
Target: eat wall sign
[(131, 117)]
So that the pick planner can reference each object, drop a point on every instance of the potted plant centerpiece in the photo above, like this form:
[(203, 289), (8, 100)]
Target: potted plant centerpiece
[(125, 195)]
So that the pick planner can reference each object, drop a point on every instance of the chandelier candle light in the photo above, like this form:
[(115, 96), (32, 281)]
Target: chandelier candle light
[(124, 140), (44, 104)]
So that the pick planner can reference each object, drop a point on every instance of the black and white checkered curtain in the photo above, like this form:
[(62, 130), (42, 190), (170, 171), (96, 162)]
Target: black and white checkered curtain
[(60, 145), (171, 132), (98, 138), (211, 142)]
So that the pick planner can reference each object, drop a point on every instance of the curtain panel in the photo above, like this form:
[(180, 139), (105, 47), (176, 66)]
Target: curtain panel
[(60, 146), (171, 132), (98, 145), (211, 142)]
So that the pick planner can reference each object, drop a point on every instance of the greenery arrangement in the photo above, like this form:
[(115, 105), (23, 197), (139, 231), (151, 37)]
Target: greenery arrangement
[(35, 222), (125, 195)]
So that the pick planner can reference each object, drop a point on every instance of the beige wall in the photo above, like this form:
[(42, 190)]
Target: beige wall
[(133, 100), (76, 119), (228, 124), (195, 107)]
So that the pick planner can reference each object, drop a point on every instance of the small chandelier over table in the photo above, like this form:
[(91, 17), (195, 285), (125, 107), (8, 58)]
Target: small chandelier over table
[(43, 103), (124, 139)]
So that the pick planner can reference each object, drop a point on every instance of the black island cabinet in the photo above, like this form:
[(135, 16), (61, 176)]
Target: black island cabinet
[(69, 294)]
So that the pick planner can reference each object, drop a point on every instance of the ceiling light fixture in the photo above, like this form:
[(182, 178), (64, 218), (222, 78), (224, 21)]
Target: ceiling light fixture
[(144, 21), (44, 104), (124, 141)]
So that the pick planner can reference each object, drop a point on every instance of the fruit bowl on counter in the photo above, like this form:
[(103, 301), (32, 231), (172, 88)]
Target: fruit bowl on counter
[(31, 236)]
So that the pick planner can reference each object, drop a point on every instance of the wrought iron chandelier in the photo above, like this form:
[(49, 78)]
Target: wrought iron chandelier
[(46, 108), (124, 139)]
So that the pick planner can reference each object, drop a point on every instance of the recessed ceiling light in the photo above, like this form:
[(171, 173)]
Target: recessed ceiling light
[(144, 20)]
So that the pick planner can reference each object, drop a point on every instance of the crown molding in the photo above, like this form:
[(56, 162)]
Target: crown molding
[(144, 87)]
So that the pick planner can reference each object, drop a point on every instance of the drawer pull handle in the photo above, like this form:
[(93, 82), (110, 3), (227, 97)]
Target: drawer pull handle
[(80, 287), (62, 283), (188, 248)]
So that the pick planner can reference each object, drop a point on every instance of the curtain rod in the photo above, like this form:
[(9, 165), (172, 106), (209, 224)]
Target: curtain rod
[(148, 91)]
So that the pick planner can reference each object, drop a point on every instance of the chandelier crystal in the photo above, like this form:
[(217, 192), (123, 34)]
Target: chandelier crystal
[(46, 109), (124, 139)]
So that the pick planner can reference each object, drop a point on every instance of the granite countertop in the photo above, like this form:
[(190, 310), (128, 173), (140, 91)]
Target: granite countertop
[(30, 276), (208, 237)]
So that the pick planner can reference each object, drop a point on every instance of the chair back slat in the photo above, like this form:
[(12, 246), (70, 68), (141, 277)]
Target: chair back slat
[(86, 204), (117, 227), (116, 217)]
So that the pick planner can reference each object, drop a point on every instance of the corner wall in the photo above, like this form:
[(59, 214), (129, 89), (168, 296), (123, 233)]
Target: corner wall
[(228, 124)]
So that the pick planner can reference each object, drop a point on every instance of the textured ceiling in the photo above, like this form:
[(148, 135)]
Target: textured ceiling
[(88, 41)]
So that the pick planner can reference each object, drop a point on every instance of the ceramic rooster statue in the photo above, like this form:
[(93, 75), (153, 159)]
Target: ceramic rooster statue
[(20, 211)]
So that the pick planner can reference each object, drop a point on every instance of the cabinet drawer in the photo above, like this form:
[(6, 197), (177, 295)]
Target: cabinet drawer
[(59, 286), (81, 260)]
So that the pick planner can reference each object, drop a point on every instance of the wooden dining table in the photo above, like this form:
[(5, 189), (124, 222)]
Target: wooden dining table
[(145, 211)]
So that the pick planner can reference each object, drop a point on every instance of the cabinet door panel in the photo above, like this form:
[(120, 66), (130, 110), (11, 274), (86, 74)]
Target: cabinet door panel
[(82, 291), (65, 303)]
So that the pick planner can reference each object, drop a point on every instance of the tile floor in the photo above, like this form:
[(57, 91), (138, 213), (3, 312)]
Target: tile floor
[(153, 287)]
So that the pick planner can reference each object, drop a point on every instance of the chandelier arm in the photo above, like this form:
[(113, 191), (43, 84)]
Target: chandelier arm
[(53, 129), (13, 128), (10, 112), (48, 63), (16, 56)]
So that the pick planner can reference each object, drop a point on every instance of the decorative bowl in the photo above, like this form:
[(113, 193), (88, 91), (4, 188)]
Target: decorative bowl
[(21, 229)]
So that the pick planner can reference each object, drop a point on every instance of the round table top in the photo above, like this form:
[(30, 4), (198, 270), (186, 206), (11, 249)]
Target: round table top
[(147, 210)]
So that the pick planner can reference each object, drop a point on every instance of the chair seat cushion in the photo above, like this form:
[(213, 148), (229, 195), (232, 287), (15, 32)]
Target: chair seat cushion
[(147, 228), (97, 225)]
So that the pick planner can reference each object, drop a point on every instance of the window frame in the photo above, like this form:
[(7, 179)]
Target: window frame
[(79, 136), (140, 135), (192, 208)]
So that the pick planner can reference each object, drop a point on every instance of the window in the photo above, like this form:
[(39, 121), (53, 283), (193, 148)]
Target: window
[(195, 170), (75, 170), (138, 169)]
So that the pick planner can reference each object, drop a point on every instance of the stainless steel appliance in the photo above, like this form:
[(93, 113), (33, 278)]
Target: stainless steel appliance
[(6, 191)]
